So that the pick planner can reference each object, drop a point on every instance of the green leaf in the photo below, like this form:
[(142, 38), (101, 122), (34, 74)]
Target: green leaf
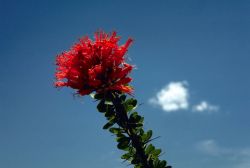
[(130, 104), (123, 97), (150, 148), (139, 125), (156, 163), (115, 130), (156, 152), (110, 113), (135, 118), (141, 131), (147, 136), (163, 164), (141, 120), (129, 108), (109, 124), (126, 156), (123, 143), (138, 166), (101, 106)]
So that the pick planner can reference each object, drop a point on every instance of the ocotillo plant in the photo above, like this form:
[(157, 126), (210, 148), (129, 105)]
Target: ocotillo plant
[(98, 68)]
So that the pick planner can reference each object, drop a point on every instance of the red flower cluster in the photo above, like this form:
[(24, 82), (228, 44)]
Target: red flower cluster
[(97, 65)]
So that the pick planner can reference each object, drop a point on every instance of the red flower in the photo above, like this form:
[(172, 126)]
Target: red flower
[(97, 65)]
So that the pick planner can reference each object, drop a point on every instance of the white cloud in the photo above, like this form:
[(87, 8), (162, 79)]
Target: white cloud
[(210, 147), (175, 96), (172, 97), (242, 158), (244, 163), (233, 157), (205, 106)]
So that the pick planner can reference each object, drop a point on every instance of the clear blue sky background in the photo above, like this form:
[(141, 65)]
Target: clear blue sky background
[(203, 42)]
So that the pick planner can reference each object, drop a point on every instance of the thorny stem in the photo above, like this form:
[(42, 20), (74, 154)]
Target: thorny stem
[(124, 123)]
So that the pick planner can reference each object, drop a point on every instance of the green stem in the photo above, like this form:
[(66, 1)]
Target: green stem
[(124, 123)]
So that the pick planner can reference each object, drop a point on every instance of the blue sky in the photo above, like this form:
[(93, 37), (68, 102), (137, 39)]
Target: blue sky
[(192, 78)]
